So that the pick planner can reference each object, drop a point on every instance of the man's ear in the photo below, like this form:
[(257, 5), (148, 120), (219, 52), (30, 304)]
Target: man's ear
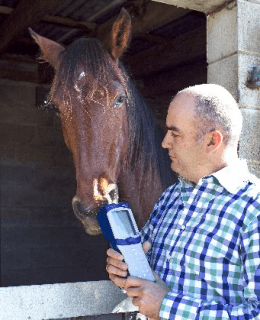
[(214, 140), (51, 51)]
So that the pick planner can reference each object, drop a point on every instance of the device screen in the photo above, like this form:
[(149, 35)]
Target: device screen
[(125, 221)]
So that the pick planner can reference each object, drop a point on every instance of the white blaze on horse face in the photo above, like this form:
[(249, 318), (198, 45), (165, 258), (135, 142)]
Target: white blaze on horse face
[(82, 75)]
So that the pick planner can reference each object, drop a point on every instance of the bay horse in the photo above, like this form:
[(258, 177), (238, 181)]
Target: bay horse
[(114, 139)]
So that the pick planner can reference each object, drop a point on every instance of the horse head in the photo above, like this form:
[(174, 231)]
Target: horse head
[(90, 93)]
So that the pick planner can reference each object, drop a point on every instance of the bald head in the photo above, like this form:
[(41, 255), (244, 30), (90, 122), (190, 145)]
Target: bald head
[(216, 109)]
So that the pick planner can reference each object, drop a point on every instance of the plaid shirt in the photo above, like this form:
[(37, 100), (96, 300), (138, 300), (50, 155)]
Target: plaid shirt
[(206, 246)]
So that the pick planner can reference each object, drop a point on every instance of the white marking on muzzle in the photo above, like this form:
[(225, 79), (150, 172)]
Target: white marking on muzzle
[(106, 189)]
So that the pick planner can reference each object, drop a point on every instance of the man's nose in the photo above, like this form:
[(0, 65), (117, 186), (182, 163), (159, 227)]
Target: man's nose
[(166, 143)]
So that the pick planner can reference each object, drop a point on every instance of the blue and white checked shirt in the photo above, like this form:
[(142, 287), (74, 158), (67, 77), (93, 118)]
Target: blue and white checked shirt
[(206, 246)]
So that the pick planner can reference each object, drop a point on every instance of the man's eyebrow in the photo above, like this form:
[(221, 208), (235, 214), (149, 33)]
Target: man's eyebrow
[(173, 128)]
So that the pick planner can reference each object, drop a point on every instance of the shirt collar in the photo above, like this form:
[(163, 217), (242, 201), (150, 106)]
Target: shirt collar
[(233, 176)]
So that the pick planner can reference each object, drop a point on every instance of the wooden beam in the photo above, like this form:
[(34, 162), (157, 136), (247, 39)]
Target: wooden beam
[(6, 10), (186, 47), (85, 25), (26, 14), (63, 21), (70, 22), (156, 15)]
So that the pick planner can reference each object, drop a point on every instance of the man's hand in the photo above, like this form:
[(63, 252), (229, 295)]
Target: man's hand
[(116, 267), (146, 295)]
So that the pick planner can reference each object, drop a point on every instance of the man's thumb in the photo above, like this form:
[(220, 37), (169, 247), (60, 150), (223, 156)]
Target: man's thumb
[(146, 246)]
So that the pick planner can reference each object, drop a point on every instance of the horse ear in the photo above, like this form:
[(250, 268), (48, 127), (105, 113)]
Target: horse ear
[(51, 50), (120, 34)]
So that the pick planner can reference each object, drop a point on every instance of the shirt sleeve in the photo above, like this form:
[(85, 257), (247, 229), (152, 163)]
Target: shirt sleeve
[(180, 307)]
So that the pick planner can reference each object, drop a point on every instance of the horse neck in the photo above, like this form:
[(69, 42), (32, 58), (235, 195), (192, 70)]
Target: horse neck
[(141, 190)]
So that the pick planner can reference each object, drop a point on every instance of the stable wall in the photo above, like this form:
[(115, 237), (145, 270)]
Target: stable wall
[(41, 239)]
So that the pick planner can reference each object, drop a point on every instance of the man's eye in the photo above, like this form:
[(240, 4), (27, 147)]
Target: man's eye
[(174, 135)]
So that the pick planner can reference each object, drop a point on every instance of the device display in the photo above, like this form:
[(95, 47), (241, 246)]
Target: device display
[(124, 222), (119, 228)]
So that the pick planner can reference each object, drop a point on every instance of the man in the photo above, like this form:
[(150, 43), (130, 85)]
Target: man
[(204, 232)]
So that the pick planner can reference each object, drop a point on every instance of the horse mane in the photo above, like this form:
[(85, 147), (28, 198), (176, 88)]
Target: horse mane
[(145, 135)]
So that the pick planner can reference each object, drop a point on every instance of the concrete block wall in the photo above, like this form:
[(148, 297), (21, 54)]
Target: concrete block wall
[(67, 301), (233, 47), (42, 241)]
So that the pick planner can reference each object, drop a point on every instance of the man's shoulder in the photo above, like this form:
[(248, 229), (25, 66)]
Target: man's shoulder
[(171, 189)]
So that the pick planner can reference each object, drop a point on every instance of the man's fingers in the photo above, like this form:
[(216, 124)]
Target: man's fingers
[(114, 254), (116, 271), (133, 282), (146, 246), (117, 263), (120, 282)]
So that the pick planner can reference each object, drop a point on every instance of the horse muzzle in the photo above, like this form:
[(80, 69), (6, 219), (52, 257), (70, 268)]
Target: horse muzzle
[(104, 194)]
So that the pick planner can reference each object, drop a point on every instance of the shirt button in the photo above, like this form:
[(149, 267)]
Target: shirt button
[(183, 227)]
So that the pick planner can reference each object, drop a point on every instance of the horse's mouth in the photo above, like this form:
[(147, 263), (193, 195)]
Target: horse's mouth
[(87, 217), (104, 193), (90, 229)]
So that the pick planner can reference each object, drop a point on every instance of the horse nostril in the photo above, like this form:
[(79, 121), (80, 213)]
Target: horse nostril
[(78, 209)]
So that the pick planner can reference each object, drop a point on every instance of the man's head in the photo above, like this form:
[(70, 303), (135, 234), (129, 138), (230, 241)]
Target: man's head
[(204, 123)]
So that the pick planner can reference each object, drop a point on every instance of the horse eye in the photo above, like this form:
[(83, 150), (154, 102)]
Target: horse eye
[(119, 101), (51, 107), (54, 108)]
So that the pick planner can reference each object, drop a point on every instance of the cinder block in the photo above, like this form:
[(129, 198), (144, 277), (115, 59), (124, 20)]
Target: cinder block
[(48, 136), (56, 185), (232, 73), (15, 217), (8, 156), (65, 274), (248, 26), (51, 216), (254, 169), (225, 73), (248, 98), (50, 257), (63, 157), (12, 93), (250, 138), (16, 135), (27, 116), (232, 29), (15, 277), (222, 39), (15, 258), (28, 196), (17, 176), (26, 237), (5, 195), (74, 236), (35, 155), (59, 301)]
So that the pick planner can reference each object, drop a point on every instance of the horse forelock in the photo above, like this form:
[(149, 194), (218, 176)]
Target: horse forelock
[(86, 57)]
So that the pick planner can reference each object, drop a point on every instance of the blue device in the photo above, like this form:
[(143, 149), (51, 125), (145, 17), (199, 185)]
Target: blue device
[(118, 226)]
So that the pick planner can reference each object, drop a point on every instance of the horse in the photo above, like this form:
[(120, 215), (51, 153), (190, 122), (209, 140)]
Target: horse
[(113, 136)]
